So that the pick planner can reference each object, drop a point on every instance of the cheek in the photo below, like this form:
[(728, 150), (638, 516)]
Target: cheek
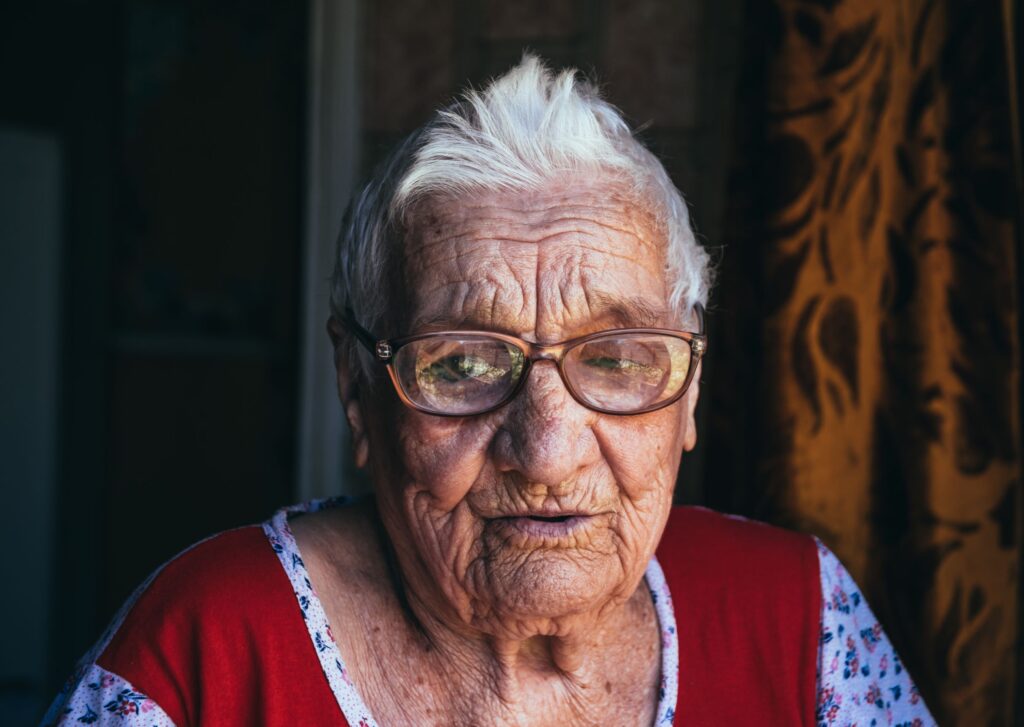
[(437, 456), (643, 455), (643, 451)]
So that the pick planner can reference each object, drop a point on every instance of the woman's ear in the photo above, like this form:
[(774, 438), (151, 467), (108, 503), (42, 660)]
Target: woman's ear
[(692, 395), (348, 393)]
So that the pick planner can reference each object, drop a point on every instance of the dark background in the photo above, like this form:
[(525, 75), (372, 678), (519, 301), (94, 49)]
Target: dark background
[(179, 129), (155, 353)]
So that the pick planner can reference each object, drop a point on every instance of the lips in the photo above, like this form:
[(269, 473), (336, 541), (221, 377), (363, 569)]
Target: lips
[(545, 525)]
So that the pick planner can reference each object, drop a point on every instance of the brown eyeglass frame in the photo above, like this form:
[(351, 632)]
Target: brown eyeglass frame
[(384, 351)]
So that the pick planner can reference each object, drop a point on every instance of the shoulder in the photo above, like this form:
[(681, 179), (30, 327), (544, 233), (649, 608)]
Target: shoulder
[(718, 540), (208, 610), (217, 570), (195, 628), (216, 584)]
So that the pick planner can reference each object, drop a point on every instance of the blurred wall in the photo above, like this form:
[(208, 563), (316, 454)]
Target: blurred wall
[(332, 158), (31, 214), (174, 222)]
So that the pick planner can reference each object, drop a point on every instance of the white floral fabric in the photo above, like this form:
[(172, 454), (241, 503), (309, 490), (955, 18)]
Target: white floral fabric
[(861, 682), (102, 698)]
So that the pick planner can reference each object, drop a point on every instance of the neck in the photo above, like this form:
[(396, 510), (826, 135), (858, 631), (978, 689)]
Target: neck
[(428, 662), (561, 664)]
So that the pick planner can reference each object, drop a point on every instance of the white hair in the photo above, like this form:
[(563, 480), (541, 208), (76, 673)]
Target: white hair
[(527, 128)]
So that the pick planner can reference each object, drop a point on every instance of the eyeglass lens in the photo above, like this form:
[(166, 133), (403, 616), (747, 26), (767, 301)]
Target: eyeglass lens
[(463, 375)]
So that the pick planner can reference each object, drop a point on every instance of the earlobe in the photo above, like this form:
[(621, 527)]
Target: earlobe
[(360, 444), (348, 394), (336, 333), (690, 437)]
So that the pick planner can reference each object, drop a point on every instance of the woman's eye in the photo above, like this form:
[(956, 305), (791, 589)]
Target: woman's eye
[(459, 368), (616, 364), (624, 367), (605, 362)]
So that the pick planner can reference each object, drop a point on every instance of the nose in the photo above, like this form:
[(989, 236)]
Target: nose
[(546, 435)]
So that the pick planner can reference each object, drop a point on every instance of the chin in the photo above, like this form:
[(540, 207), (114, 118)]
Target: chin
[(552, 585)]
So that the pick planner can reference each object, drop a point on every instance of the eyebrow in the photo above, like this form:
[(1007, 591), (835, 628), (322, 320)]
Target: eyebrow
[(632, 312), (446, 321)]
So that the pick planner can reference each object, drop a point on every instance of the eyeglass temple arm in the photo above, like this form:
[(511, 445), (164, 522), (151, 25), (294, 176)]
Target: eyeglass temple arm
[(365, 337), (699, 345)]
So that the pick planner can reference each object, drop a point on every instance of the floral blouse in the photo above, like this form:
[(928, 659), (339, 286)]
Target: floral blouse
[(860, 680)]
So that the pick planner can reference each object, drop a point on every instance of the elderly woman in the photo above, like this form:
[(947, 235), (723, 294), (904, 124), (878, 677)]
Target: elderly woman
[(517, 322)]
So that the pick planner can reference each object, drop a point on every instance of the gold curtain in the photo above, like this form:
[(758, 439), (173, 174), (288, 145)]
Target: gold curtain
[(864, 385)]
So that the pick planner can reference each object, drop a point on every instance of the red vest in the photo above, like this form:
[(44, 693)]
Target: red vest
[(218, 639)]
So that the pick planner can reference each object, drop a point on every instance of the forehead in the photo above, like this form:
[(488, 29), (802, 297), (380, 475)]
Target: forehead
[(549, 263)]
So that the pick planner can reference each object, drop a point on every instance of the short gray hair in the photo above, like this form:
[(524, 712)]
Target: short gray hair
[(526, 128)]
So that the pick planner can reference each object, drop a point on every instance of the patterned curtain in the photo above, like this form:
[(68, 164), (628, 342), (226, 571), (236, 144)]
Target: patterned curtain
[(865, 378)]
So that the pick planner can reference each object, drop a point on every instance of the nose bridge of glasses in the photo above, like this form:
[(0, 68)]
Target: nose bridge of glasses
[(552, 353), (542, 352), (555, 353)]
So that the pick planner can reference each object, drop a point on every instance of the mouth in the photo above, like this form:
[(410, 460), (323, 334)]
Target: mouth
[(546, 526), (550, 518)]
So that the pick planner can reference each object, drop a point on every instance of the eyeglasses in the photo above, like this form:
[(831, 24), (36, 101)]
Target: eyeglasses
[(463, 373)]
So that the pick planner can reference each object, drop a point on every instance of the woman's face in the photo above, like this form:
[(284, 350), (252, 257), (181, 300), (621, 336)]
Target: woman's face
[(472, 505)]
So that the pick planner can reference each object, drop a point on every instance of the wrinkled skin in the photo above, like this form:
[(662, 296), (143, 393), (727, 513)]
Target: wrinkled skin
[(532, 621)]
